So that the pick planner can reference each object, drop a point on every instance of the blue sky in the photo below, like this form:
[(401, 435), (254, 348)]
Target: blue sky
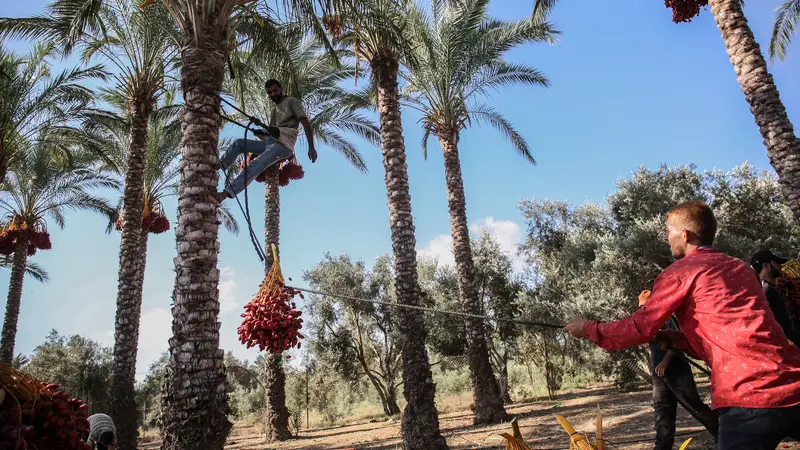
[(629, 88)]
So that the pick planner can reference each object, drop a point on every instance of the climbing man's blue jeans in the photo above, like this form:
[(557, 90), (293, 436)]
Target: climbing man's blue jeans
[(269, 152)]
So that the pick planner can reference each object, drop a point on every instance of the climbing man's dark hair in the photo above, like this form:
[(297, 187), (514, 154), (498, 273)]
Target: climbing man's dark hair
[(272, 82)]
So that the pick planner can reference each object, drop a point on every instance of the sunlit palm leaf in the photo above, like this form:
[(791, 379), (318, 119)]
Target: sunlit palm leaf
[(461, 59), (40, 106), (39, 186)]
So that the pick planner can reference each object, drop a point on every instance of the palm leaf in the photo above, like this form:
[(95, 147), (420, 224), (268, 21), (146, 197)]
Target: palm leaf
[(490, 116), (32, 269), (542, 10), (786, 18)]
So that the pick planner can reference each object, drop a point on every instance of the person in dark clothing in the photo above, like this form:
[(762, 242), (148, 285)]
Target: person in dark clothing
[(673, 383), (768, 267)]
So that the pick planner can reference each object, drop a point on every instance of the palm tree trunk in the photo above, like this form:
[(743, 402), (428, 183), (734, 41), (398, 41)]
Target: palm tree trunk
[(195, 401), (129, 293), (276, 414), (420, 422), (485, 390), (783, 147), (19, 264)]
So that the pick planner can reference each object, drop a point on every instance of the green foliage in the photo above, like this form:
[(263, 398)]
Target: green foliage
[(148, 392), (333, 397), (786, 17), (378, 30), (142, 45), (39, 108), (80, 366), (40, 186), (498, 289), (439, 287), (459, 60), (592, 261), (356, 339), (34, 270)]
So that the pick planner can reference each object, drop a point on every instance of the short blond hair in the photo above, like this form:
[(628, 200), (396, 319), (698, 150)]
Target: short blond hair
[(698, 218)]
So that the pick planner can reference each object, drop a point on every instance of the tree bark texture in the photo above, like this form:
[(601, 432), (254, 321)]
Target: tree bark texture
[(276, 414), (485, 389), (19, 264), (420, 422), (758, 86), (391, 407), (505, 391), (122, 400), (195, 399)]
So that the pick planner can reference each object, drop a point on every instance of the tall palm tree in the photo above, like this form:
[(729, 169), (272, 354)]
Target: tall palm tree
[(140, 44), (757, 84), (112, 130), (460, 59), (313, 76), (38, 186), (38, 104), (381, 33), (786, 17), (38, 274), (195, 400), (194, 411)]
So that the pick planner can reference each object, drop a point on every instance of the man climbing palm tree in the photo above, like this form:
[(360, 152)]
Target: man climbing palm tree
[(275, 143)]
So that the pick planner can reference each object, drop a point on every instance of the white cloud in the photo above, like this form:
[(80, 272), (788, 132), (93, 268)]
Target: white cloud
[(95, 320), (155, 329), (507, 233), (231, 305), (439, 248), (228, 291)]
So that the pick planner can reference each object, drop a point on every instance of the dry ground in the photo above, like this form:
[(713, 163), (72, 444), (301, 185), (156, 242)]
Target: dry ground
[(628, 418)]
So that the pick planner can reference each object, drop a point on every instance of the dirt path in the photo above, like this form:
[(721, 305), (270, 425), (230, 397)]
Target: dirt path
[(628, 418)]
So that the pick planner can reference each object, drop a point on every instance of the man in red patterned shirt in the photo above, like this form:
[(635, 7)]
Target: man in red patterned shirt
[(726, 321)]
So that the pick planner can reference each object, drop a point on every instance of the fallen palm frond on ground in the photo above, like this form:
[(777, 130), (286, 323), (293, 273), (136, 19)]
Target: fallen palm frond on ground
[(577, 441)]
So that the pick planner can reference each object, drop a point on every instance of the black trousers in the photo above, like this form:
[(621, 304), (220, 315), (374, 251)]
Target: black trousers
[(757, 428), (678, 386)]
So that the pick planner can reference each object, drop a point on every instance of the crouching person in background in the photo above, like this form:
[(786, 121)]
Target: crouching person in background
[(102, 432)]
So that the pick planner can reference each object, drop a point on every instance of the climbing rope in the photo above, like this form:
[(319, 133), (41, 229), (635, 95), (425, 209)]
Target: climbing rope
[(430, 310), (245, 209), (529, 323)]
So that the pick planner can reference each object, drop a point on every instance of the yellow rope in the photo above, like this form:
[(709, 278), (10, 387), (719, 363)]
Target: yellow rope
[(274, 280)]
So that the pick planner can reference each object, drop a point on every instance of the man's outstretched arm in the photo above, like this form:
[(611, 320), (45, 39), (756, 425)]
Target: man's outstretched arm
[(669, 293), (312, 152)]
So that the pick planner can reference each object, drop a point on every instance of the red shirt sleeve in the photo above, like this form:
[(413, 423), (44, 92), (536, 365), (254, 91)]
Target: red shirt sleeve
[(669, 292), (680, 343)]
